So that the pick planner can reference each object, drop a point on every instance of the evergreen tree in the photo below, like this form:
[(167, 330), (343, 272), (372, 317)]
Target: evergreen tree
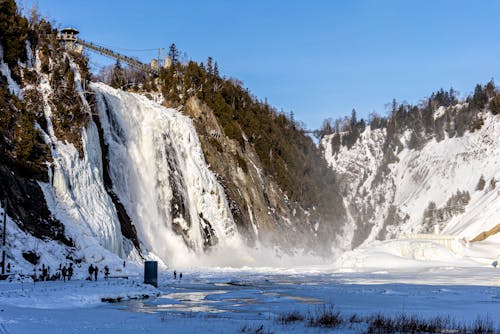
[(210, 68), (216, 70), (118, 78), (13, 32), (354, 120), (480, 98), (173, 54), (490, 89)]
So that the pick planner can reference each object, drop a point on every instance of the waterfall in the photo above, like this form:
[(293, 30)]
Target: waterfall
[(158, 172)]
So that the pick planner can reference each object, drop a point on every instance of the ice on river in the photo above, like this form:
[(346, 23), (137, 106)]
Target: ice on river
[(232, 300)]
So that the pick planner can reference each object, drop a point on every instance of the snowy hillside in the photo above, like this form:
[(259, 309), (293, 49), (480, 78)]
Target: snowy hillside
[(435, 190)]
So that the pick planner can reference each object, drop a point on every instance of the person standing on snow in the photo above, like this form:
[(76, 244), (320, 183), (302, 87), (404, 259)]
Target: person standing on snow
[(64, 272), (91, 272), (96, 270), (44, 272), (106, 272), (70, 271)]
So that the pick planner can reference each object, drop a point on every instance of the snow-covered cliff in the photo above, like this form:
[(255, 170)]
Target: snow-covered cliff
[(434, 189)]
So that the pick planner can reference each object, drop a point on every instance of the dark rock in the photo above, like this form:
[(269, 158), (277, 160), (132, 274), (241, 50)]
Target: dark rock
[(27, 207), (126, 225), (31, 257)]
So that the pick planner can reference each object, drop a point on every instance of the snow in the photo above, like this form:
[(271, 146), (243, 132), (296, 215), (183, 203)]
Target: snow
[(434, 173), (76, 194), (5, 71), (72, 294), (445, 167), (439, 112), (227, 301), (411, 253)]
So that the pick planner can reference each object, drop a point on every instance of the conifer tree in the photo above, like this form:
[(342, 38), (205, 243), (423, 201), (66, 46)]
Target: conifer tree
[(210, 69), (173, 53), (490, 88), (216, 70), (13, 32), (118, 76), (480, 98), (354, 119)]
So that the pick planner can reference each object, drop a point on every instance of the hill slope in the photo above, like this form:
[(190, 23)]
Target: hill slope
[(441, 190)]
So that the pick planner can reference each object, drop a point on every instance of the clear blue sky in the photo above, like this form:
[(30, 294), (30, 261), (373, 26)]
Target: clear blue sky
[(317, 58)]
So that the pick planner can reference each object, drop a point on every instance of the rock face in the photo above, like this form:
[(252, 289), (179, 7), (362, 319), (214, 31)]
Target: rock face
[(260, 210), (26, 205), (127, 226), (432, 188)]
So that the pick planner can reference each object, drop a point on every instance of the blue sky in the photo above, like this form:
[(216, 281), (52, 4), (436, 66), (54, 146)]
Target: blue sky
[(317, 58)]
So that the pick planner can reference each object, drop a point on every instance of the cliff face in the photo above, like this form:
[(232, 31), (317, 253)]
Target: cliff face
[(445, 186), (261, 211)]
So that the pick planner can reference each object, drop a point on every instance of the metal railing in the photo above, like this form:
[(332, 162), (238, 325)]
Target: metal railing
[(110, 53)]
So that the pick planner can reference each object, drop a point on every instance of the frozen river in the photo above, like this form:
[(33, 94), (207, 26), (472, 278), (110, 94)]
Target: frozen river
[(229, 301)]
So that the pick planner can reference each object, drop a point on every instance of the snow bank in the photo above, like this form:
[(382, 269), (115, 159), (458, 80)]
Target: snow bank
[(418, 251), (72, 294)]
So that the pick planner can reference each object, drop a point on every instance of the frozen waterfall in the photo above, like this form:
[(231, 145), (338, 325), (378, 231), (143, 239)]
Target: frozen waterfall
[(159, 174)]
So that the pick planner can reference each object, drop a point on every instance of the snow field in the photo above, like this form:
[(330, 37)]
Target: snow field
[(208, 301)]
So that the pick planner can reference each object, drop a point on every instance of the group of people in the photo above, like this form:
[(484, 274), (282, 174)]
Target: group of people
[(61, 273), (175, 275), (65, 272), (93, 271)]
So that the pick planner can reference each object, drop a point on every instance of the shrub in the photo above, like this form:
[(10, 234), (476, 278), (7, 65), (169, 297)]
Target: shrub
[(326, 316), (291, 317)]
